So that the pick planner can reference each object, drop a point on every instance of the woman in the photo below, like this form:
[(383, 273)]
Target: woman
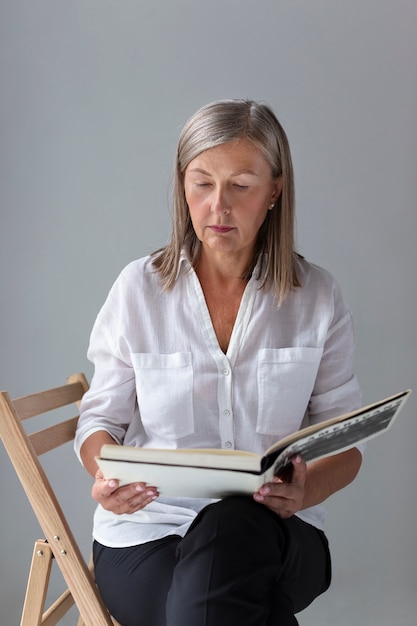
[(225, 338)]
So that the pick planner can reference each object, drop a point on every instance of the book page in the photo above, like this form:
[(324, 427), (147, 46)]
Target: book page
[(394, 402), (195, 457), (341, 436)]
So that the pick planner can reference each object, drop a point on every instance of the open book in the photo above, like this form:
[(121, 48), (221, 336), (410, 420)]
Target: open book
[(213, 473)]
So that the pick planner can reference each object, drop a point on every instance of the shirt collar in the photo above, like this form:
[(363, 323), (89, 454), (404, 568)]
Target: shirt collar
[(185, 263)]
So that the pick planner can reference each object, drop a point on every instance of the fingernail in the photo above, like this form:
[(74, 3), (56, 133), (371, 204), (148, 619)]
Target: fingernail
[(112, 483), (139, 488)]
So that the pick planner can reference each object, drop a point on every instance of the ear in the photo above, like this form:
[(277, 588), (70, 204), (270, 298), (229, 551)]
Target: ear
[(277, 190)]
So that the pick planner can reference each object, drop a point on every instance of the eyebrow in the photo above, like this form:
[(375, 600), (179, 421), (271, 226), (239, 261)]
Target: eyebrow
[(199, 170)]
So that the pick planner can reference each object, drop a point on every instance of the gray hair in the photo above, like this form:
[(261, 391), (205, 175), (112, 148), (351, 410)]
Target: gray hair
[(215, 124)]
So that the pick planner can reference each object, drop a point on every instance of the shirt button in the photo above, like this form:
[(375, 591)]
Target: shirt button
[(226, 372), (228, 444), (226, 412)]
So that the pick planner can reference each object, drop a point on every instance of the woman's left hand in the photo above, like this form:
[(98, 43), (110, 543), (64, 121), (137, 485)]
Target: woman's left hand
[(285, 498)]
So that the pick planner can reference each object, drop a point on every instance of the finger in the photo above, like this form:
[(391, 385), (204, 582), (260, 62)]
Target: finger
[(107, 487), (120, 502), (129, 498), (299, 470), (132, 490), (277, 505), (137, 492), (267, 490), (276, 488), (138, 503)]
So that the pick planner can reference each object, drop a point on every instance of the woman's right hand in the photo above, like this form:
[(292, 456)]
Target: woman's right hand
[(120, 500)]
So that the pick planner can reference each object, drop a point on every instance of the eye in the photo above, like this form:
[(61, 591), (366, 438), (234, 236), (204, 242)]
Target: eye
[(241, 187)]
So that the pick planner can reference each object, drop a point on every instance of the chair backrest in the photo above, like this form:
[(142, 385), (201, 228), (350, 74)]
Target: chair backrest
[(23, 450)]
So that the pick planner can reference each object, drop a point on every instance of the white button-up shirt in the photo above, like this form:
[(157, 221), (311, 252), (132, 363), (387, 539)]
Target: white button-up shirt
[(161, 379)]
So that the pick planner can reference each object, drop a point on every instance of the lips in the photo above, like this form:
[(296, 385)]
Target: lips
[(221, 229)]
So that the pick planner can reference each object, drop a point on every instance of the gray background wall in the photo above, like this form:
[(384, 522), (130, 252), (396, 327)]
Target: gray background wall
[(93, 95)]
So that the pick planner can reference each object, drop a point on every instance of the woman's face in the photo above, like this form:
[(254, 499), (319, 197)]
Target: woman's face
[(229, 190)]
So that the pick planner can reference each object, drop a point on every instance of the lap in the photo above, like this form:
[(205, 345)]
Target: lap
[(249, 538), (135, 581)]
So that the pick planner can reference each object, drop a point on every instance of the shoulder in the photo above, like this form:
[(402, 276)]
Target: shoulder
[(312, 275), (320, 291), (138, 274), (145, 269), (130, 286), (140, 281), (136, 269), (136, 288), (316, 281)]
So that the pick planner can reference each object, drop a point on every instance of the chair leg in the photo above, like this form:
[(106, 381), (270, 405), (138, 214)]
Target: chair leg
[(40, 571)]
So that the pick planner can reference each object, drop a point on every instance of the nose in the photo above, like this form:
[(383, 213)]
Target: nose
[(220, 203)]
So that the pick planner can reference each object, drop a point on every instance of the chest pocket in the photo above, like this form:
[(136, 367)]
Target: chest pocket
[(164, 387), (285, 382)]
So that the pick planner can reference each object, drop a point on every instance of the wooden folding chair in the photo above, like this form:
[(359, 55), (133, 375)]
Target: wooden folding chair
[(59, 542)]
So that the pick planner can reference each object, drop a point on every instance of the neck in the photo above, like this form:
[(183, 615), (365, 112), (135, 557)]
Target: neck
[(222, 269)]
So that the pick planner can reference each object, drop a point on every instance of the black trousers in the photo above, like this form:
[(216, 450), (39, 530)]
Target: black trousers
[(239, 564)]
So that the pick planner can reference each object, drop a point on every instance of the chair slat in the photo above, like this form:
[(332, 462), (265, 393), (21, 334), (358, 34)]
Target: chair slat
[(23, 450), (58, 610), (37, 403), (54, 436)]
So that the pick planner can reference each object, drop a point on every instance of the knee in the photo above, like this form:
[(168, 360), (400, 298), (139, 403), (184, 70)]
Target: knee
[(234, 508), (237, 530), (238, 517)]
